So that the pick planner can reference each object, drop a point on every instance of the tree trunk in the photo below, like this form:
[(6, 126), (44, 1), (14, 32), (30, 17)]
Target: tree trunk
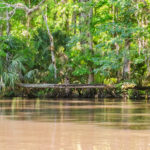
[(85, 24), (147, 58), (74, 19), (51, 47), (118, 72), (7, 23), (67, 22), (115, 46), (67, 90), (126, 66), (28, 17), (1, 30), (91, 76), (140, 45)]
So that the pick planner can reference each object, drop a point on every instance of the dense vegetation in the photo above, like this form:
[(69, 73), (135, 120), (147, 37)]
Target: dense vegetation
[(70, 41)]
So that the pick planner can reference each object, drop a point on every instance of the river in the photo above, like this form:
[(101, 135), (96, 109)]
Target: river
[(74, 124)]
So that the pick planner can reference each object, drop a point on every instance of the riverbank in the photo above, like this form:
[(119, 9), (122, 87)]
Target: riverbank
[(77, 91)]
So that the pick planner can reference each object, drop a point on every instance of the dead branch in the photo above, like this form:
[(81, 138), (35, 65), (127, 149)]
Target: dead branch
[(22, 6)]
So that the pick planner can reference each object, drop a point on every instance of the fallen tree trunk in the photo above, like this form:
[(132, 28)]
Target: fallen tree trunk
[(79, 86), (61, 86)]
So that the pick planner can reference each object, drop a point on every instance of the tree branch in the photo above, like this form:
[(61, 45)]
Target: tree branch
[(22, 6)]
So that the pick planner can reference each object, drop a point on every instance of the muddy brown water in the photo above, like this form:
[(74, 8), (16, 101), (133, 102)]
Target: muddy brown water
[(85, 124)]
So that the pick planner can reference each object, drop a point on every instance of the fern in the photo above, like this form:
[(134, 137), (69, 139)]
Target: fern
[(10, 71)]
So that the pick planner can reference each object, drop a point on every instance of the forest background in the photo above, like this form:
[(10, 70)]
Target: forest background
[(74, 41)]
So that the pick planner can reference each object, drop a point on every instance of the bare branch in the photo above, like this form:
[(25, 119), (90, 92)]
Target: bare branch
[(36, 7), (23, 7), (12, 13)]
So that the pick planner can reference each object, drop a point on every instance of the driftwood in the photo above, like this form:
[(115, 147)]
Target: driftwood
[(63, 86)]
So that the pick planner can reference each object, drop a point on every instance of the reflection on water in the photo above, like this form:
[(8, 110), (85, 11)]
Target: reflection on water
[(74, 125)]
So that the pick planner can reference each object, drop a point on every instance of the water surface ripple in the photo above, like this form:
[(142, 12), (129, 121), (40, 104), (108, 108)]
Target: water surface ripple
[(84, 124)]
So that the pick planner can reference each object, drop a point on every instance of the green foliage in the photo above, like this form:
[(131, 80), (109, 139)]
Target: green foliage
[(11, 71), (84, 43)]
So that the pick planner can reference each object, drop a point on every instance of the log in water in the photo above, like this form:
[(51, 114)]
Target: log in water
[(79, 86)]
